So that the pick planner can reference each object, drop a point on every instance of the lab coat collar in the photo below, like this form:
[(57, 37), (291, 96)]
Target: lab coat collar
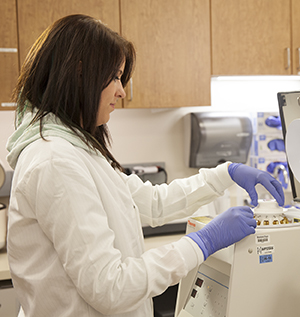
[(26, 133)]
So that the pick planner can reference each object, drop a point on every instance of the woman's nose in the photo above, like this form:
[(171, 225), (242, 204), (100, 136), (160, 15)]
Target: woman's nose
[(121, 92)]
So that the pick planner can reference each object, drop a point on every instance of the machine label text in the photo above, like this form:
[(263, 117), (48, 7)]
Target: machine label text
[(265, 238), (265, 249), (265, 258)]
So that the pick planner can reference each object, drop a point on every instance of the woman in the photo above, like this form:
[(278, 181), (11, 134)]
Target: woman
[(75, 243)]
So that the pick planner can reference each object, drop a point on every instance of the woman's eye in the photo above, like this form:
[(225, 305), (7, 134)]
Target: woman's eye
[(117, 78)]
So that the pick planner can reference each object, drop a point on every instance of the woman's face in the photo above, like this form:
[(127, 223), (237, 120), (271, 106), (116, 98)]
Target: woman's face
[(109, 97)]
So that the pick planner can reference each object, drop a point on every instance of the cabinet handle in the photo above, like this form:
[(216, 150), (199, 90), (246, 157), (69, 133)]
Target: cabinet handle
[(288, 55), (131, 90), (8, 50), (298, 49)]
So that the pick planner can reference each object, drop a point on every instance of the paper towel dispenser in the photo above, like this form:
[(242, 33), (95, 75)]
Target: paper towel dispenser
[(212, 138)]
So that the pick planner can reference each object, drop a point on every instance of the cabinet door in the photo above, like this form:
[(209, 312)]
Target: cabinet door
[(172, 40), (9, 64), (36, 15), (296, 36), (250, 37)]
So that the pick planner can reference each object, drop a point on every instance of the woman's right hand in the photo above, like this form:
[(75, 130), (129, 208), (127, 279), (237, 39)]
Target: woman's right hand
[(227, 228)]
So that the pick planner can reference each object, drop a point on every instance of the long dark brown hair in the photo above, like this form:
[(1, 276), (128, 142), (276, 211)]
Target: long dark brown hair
[(66, 71)]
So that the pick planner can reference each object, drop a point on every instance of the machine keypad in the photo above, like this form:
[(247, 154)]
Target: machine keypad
[(208, 296)]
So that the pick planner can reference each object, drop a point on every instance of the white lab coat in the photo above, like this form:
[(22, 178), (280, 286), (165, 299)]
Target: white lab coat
[(75, 242)]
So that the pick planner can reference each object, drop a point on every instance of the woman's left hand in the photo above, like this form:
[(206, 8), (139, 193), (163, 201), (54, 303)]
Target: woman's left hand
[(248, 177)]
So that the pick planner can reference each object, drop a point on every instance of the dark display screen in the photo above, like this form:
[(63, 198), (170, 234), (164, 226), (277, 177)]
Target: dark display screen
[(199, 282), (194, 292)]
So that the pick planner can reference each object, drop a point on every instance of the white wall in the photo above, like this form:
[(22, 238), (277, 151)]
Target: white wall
[(157, 135), (145, 135)]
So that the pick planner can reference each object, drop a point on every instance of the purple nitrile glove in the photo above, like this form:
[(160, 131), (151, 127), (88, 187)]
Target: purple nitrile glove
[(281, 177), (273, 122), (227, 228), (276, 144), (248, 177)]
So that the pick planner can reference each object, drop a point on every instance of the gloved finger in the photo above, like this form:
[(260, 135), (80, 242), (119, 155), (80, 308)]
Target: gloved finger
[(274, 187), (250, 230), (280, 192), (245, 215), (239, 211), (253, 196), (247, 211), (250, 221), (248, 216)]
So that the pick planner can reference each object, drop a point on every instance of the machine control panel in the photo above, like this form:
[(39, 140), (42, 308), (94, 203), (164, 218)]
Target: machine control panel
[(208, 296), (219, 288)]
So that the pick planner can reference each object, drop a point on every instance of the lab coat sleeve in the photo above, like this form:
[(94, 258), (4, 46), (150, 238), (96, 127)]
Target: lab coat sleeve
[(160, 204), (66, 204)]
